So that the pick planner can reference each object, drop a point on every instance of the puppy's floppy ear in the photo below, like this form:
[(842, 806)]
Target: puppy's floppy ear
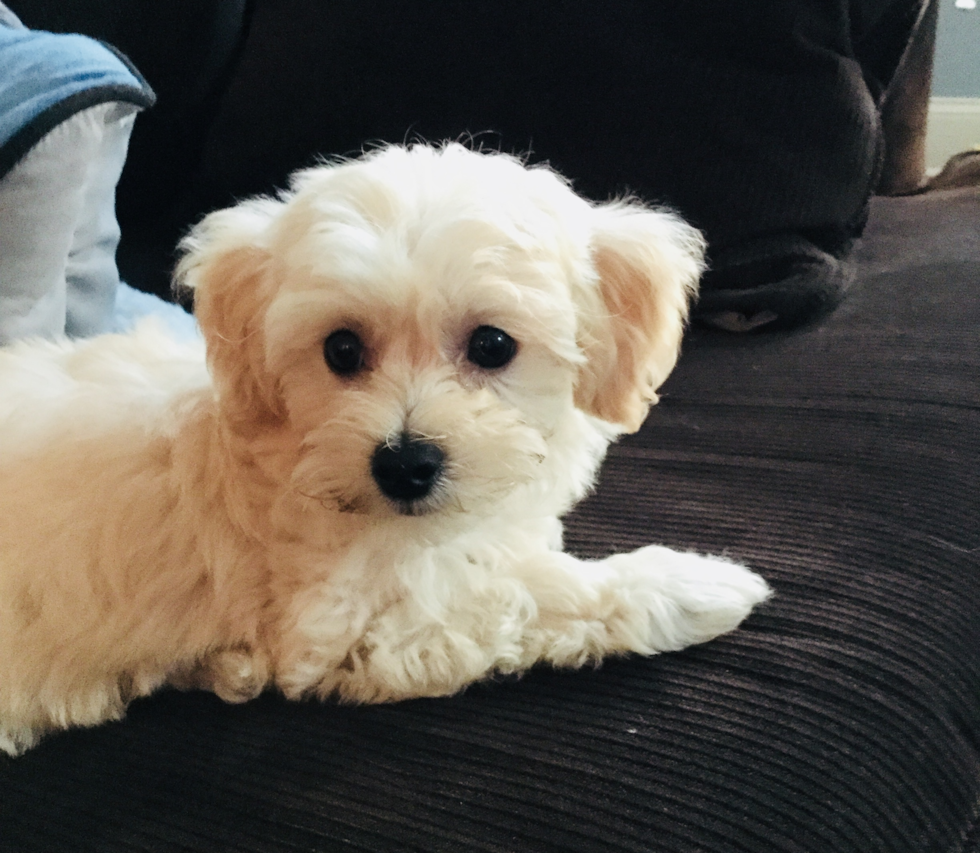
[(648, 263), (226, 261)]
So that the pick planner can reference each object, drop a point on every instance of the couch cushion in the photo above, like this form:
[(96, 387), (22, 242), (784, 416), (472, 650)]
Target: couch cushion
[(840, 461)]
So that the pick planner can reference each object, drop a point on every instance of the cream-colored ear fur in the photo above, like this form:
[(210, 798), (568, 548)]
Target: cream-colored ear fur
[(649, 263), (227, 263)]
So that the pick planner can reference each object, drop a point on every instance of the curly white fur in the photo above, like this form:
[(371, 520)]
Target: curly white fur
[(212, 521)]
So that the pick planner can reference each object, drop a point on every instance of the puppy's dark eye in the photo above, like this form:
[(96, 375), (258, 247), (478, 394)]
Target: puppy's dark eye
[(491, 347), (344, 352)]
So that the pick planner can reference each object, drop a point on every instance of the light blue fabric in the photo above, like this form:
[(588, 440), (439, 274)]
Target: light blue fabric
[(42, 69), (133, 305), (67, 107)]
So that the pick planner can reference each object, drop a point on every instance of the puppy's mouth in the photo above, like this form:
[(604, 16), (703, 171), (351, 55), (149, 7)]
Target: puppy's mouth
[(361, 506), (415, 508)]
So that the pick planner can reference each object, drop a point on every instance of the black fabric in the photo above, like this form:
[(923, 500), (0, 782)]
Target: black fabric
[(749, 118), (777, 282), (841, 462)]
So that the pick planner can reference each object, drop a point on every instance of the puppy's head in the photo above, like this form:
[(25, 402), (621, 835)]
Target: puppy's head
[(436, 328)]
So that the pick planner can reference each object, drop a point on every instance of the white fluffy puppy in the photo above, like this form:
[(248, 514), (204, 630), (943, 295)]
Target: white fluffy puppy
[(415, 362)]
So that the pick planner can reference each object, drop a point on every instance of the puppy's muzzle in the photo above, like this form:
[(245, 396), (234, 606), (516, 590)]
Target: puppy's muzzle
[(407, 470)]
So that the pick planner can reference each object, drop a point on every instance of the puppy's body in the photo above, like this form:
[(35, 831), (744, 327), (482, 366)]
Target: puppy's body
[(118, 555), (416, 362)]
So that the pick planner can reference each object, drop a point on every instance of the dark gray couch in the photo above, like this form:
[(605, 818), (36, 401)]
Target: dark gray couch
[(841, 461)]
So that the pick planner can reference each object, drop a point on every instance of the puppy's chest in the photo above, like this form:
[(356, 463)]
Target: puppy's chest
[(378, 565)]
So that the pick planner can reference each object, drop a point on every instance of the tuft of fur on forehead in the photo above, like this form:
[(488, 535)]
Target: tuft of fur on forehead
[(410, 230)]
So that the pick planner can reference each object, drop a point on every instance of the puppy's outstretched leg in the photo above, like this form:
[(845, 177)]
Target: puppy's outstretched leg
[(647, 601), (547, 608)]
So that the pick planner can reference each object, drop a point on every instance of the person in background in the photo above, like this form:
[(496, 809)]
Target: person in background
[(761, 122)]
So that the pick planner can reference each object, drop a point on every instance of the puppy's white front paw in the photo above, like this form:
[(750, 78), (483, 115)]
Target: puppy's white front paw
[(671, 600)]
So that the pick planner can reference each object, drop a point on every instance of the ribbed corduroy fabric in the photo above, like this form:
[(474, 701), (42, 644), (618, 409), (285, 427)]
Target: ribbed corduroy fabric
[(841, 461)]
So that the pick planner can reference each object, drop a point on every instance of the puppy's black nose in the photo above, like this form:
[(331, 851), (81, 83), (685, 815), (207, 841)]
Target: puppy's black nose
[(407, 470)]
